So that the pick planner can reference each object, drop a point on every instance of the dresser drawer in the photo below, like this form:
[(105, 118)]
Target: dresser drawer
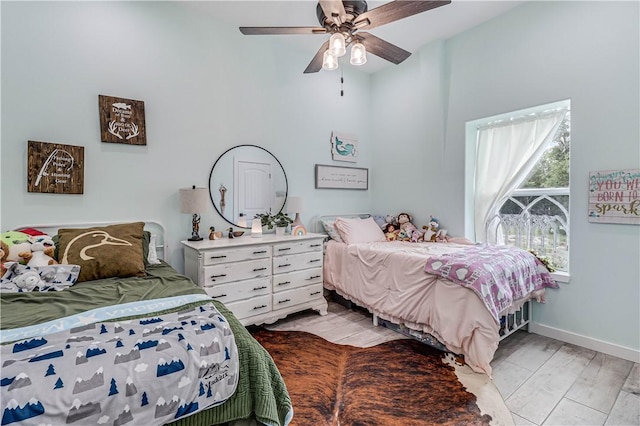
[(297, 261), (296, 296), (214, 257), (228, 272), (295, 279), (232, 292), (250, 307), (283, 249)]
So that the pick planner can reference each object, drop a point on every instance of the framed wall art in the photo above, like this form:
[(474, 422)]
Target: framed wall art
[(122, 120), (55, 168), (344, 147), (339, 177), (614, 196)]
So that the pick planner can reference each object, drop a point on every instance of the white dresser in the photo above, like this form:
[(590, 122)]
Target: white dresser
[(260, 279)]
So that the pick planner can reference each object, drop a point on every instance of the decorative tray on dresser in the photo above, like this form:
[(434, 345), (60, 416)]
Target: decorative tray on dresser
[(260, 279)]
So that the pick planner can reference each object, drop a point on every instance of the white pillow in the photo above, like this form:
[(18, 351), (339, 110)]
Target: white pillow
[(354, 231), (152, 258)]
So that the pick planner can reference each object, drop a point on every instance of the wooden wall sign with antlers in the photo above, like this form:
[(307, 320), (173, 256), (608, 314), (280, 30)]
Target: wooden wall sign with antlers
[(55, 168), (122, 120)]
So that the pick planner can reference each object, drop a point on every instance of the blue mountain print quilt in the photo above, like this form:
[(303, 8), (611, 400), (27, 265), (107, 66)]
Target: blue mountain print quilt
[(145, 371)]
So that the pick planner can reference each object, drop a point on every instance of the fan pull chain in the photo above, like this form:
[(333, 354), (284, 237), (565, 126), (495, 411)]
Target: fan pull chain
[(341, 82)]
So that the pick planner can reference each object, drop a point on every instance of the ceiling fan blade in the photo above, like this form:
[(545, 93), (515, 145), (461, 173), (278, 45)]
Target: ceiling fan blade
[(316, 63), (334, 9), (282, 30), (383, 49), (394, 11)]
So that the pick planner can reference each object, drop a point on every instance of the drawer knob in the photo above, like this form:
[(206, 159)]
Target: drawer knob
[(314, 260), (284, 301), (259, 252), (219, 257), (284, 249), (258, 269), (284, 266), (316, 245), (284, 283), (259, 307), (314, 293), (313, 277), (259, 288), (219, 296)]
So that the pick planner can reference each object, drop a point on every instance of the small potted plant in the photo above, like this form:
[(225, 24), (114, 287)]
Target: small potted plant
[(280, 221)]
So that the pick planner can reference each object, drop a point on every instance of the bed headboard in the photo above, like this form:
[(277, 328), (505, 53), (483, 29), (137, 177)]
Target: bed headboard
[(155, 228), (316, 223)]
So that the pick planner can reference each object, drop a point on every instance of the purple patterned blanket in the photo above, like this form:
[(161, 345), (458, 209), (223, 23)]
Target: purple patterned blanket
[(499, 275)]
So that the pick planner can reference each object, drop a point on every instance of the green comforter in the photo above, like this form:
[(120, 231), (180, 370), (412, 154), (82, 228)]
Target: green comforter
[(261, 391)]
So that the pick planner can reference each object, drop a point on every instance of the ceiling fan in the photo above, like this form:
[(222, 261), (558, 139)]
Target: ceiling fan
[(344, 20)]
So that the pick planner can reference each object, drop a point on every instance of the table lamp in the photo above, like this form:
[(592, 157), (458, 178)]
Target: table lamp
[(295, 205), (194, 201)]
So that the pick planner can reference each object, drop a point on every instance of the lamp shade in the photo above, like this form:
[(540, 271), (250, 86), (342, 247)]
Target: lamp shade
[(358, 54), (295, 205), (329, 61), (194, 200), (337, 45)]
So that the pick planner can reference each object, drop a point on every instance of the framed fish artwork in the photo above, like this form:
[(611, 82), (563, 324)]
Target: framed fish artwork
[(122, 120), (344, 147)]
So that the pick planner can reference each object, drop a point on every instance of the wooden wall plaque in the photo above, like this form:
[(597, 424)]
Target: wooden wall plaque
[(122, 120), (55, 168)]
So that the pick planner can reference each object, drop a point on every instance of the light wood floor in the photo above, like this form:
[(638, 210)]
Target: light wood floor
[(543, 381)]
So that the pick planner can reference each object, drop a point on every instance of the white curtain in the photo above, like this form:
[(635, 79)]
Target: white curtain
[(506, 153)]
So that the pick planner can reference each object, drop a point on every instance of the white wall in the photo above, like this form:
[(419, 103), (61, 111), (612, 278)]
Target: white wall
[(535, 54), (206, 87)]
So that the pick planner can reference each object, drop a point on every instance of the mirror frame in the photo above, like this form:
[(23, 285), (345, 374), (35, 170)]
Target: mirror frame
[(286, 181)]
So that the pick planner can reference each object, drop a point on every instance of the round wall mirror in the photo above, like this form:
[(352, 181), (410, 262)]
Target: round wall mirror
[(246, 180)]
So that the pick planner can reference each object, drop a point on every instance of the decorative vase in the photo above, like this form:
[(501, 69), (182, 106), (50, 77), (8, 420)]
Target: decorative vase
[(280, 230)]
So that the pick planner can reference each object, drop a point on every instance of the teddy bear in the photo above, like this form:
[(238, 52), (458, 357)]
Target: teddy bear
[(406, 226), (4, 253), (41, 252)]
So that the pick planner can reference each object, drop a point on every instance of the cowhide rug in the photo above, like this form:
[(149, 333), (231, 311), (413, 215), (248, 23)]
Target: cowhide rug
[(399, 382)]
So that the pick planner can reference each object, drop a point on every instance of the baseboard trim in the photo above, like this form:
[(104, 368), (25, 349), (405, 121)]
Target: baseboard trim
[(586, 342)]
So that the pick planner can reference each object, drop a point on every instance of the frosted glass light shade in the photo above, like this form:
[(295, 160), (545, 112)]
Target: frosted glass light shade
[(242, 221), (358, 54), (329, 62), (337, 45), (256, 228)]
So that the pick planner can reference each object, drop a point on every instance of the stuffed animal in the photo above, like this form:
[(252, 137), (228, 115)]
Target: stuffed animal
[(431, 230), (4, 252), (28, 281), (18, 242), (41, 252), (406, 227)]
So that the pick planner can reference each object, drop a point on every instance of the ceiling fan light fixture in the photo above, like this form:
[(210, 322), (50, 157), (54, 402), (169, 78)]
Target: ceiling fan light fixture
[(358, 54), (329, 62), (337, 45)]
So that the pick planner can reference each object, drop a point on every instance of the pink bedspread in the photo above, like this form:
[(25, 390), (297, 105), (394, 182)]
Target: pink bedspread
[(497, 274), (388, 278)]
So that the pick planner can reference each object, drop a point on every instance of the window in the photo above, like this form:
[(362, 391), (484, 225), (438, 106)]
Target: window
[(517, 183)]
